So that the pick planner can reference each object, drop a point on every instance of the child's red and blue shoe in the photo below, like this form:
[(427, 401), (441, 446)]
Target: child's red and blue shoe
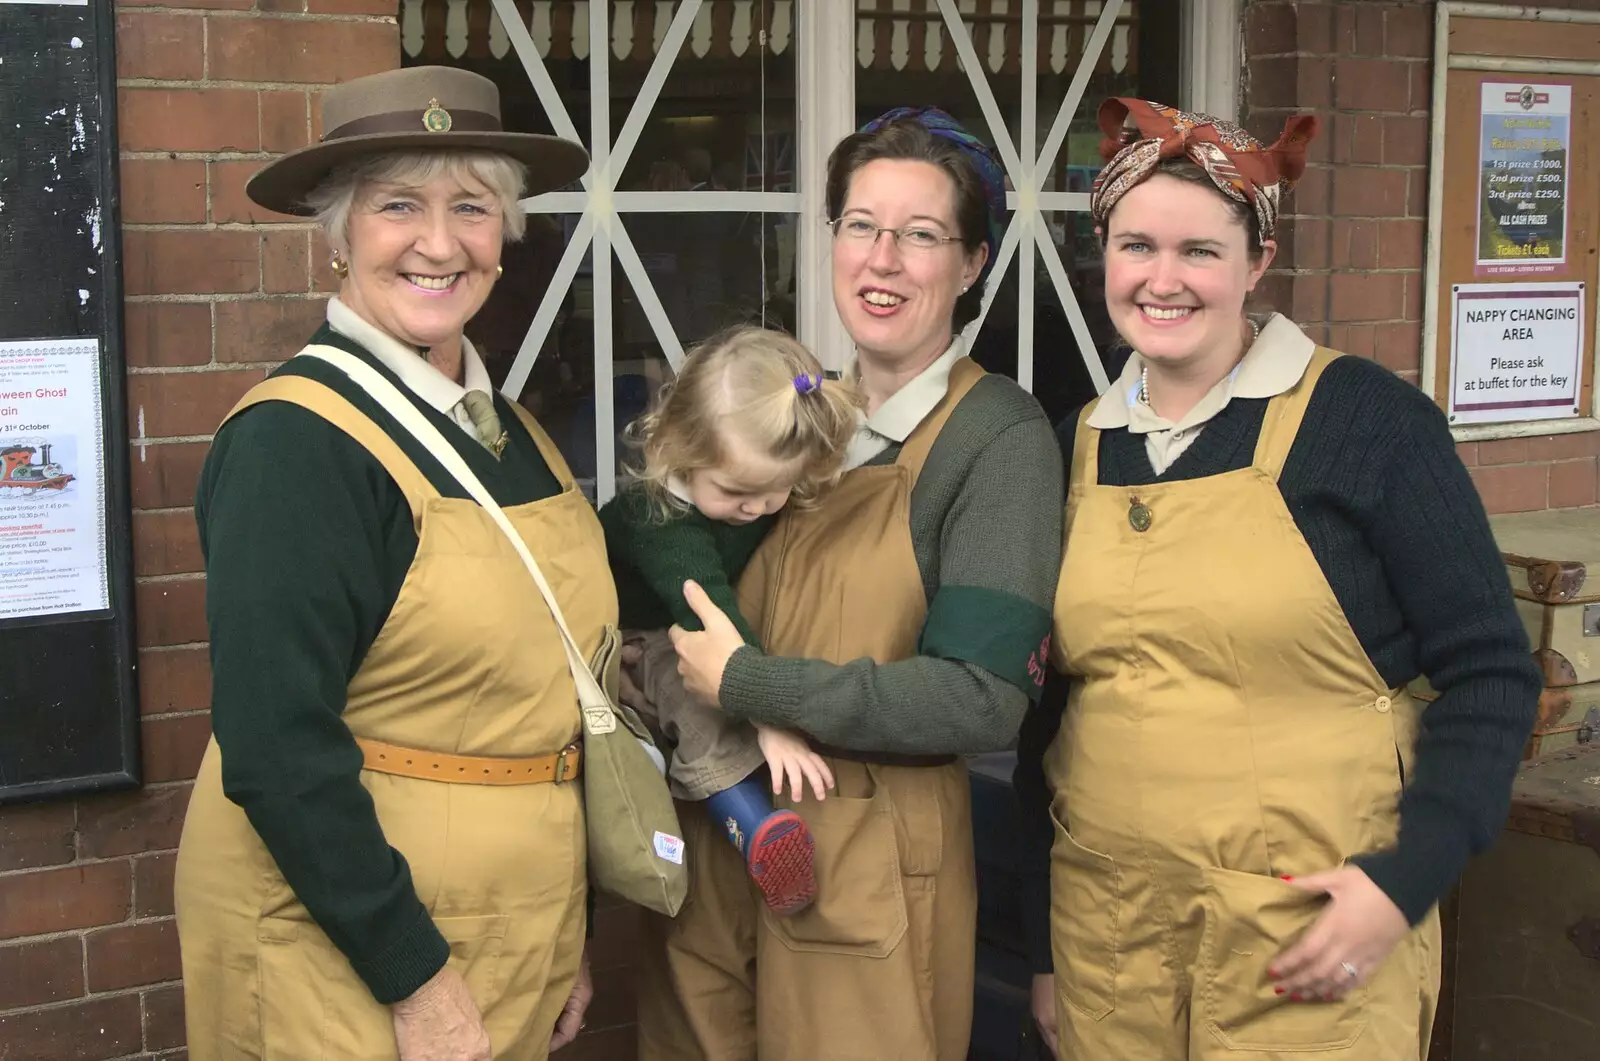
[(777, 845)]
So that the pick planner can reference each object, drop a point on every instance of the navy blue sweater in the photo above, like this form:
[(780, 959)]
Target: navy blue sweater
[(1375, 486)]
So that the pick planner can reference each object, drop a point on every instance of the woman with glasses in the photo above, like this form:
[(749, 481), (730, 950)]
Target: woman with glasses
[(904, 619)]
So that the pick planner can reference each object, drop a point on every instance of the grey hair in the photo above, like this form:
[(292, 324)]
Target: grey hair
[(333, 199)]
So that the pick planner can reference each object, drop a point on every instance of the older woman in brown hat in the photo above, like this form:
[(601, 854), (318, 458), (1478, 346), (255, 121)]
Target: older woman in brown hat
[(1266, 542), (376, 640)]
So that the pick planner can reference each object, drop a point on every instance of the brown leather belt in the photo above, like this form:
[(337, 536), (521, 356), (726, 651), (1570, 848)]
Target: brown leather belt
[(881, 758), (564, 765)]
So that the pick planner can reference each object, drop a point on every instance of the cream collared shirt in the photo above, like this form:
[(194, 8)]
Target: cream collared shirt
[(1274, 363), (907, 407), (415, 370)]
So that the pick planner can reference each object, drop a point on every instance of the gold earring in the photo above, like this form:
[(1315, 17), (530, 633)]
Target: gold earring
[(499, 271), (340, 267)]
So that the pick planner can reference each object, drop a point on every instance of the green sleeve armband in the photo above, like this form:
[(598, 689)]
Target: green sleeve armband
[(1004, 634)]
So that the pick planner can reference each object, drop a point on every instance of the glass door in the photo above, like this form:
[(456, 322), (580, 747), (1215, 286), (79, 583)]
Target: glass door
[(703, 205), (1028, 76), (686, 221)]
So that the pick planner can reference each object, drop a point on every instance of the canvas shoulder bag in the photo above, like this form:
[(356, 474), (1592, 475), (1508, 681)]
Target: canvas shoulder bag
[(635, 841)]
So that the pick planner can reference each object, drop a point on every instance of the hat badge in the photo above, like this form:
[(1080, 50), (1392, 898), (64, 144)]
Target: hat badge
[(436, 119)]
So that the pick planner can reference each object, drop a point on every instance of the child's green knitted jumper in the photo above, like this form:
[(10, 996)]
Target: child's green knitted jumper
[(652, 556)]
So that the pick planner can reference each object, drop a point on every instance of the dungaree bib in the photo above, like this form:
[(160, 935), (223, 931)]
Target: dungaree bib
[(1225, 728), (469, 662), (881, 966)]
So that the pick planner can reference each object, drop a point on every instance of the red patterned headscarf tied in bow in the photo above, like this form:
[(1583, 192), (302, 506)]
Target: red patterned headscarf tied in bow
[(1140, 134)]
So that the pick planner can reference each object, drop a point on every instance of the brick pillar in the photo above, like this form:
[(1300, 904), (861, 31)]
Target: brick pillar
[(1350, 266), (217, 291), (1351, 261)]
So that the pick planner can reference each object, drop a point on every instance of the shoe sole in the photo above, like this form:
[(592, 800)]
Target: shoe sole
[(781, 854)]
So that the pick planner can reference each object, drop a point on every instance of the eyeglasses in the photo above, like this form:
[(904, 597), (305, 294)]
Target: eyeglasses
[(858, 230)]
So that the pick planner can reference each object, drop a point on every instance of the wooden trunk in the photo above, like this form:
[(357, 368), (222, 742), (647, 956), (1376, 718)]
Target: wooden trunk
[(1548, 555), (1527, 947), (1567, 717)]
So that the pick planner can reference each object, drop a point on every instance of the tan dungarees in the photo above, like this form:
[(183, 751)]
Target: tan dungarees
[(881, 967), (1225, 728), (469, 662)]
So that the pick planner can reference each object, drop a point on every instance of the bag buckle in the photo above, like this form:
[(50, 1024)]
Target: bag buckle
[(561, 765)]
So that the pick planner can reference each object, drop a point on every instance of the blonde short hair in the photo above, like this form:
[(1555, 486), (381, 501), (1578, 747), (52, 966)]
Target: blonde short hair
[(759, 386), (333, 199)]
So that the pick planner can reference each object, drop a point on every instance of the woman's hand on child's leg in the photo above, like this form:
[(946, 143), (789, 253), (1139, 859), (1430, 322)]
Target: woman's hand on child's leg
[(793, 763)]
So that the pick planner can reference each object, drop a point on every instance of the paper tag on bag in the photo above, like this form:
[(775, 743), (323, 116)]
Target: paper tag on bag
[(669, 848)]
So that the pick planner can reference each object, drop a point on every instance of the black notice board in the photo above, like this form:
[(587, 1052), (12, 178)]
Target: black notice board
[(68, 708)]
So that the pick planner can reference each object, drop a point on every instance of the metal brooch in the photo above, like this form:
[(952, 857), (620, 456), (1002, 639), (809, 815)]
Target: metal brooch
[(436, 119), (1139, 517)]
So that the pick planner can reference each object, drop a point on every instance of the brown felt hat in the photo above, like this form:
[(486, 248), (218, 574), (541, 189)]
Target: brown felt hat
[(416, 108)]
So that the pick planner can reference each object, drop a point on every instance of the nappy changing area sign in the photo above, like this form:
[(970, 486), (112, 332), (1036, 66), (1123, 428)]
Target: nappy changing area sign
[(1516, 351)]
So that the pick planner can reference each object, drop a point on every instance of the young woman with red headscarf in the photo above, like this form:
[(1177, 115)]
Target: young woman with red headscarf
[(1266, 541)]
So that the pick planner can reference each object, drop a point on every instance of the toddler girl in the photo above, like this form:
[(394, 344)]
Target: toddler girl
[(748, 426)]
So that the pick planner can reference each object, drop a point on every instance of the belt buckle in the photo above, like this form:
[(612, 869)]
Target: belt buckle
[(561, 765)]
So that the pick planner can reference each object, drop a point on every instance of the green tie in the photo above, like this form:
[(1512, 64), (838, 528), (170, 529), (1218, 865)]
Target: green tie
[(485, 421)]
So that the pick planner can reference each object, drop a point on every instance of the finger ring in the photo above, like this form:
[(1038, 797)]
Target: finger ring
[(1350, 970)]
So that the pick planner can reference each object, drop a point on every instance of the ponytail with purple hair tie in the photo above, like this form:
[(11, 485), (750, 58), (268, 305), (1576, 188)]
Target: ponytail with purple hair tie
[(805, 383)]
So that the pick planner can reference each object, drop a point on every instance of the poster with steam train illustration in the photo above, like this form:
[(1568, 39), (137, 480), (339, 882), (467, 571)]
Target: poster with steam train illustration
[(28, 467), (52, 480)]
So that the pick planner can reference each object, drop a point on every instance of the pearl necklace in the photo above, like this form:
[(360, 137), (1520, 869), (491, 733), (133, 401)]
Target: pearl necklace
[(1144, 371)]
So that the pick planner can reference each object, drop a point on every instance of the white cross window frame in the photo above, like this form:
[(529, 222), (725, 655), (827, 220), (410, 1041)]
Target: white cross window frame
[(824, 36)]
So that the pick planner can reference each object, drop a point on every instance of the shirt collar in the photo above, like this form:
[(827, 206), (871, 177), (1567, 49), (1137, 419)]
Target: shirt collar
[(1274, 363), (680, 490), (414, 370), (907, 407)]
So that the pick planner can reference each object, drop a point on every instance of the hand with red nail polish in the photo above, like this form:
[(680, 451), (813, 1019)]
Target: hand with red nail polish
[(1356, 930)]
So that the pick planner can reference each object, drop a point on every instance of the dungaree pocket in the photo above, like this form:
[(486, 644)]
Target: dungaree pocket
[(860, 907), (1250, 919), (1085, 923), (313, 1006)]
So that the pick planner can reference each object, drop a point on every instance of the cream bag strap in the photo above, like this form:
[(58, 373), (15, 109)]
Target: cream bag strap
[(598, 716)]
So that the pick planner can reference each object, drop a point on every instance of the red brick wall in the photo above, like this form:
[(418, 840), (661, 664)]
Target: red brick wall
[(1351, 265), (215, 291), (218, 291)]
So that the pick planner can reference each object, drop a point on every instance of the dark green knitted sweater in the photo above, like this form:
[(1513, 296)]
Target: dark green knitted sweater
[(306, 542)]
